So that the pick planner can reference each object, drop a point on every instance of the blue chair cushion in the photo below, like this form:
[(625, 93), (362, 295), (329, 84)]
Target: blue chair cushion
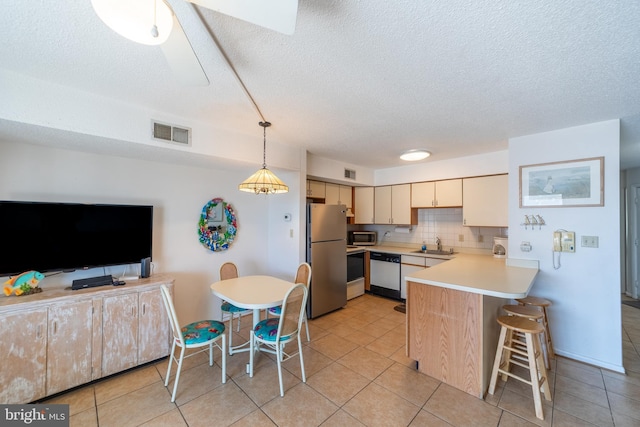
[(230, 308), (267, 329), (202, 331), (276, 310)]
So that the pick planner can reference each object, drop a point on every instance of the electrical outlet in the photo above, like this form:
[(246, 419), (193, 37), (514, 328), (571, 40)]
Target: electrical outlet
[(480, 238), (590, 241), (460, 237)]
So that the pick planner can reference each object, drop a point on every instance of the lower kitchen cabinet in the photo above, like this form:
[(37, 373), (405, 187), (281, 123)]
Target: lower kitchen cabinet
[(412, 263), (59, 339), (24, 355)]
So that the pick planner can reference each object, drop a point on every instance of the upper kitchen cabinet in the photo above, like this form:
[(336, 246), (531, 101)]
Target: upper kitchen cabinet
[(316, 189), (485, 201), (437, 194), (363, 205), (338, 195), (392, 205)]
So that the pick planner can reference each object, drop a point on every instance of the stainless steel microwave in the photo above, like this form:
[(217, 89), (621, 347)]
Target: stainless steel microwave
[(363, 238)]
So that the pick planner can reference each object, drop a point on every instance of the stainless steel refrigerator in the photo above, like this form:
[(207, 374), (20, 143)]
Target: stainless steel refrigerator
[(327, 254)]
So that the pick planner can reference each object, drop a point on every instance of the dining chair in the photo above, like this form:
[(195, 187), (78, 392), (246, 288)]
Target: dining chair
[(204, 333), (274, 333), (303, 275), (228, 270)]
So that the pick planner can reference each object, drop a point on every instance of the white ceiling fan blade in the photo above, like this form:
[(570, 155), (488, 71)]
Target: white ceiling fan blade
[(277, 15), (182, 59)]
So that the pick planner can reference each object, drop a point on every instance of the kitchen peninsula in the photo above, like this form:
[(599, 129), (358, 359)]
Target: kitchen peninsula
[(451, 316)]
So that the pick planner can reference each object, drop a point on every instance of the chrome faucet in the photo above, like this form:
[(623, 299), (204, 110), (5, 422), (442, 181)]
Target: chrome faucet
[(438, 244)]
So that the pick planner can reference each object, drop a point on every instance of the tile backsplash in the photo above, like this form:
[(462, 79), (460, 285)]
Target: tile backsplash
[(445, 223)]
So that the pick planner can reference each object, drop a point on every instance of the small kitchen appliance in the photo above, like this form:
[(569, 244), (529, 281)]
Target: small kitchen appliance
[(363, 238), (500, 246)]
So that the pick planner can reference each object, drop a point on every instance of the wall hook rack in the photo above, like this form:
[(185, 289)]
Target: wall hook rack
[(533, 221)]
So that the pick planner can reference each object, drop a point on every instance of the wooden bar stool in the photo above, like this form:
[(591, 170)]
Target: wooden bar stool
[(542, 304), (535, 314), (523, 351)]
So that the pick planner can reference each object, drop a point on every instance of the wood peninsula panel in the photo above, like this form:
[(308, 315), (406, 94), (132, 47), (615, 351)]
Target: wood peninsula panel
[(445, 335)]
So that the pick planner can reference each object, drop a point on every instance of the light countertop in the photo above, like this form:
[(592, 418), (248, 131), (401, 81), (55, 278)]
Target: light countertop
[(480, 274), (400, 250)]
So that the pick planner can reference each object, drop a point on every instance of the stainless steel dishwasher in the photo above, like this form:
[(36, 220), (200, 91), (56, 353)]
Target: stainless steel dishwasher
[(385, 274)]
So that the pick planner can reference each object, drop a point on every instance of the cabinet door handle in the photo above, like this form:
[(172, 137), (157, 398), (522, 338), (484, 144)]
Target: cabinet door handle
[(144, 306), (55, 327)]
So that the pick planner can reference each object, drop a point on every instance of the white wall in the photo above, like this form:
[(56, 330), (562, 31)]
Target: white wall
[(45, 104), (430, 170), (483, 164), (585, 317), (333, 171), (178, 193)]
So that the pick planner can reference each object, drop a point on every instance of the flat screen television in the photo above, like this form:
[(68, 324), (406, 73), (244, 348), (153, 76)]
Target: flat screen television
[(49, 237)]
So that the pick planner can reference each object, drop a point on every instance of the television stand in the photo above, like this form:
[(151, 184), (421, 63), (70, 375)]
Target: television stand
[(91, 282)]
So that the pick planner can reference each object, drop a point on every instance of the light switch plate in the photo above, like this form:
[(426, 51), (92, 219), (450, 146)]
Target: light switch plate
[(590, 242)]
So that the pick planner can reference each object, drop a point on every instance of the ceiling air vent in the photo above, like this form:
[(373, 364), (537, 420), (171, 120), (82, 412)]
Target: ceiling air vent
[(170, 133), (350, 174)]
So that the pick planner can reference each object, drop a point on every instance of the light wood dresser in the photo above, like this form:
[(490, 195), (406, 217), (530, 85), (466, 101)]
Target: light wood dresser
[(58, 339)]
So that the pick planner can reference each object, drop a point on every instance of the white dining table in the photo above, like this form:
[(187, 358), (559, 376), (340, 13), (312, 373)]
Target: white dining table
[(252, 292)]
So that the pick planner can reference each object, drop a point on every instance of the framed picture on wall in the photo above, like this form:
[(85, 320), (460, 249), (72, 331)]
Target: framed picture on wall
[(563, 184)]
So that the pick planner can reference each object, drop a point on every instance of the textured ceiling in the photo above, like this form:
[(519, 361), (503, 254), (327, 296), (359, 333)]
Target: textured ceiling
[(362, 81)]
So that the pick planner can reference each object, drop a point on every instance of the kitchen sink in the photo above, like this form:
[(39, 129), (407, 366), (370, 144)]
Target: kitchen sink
[(433, 252)]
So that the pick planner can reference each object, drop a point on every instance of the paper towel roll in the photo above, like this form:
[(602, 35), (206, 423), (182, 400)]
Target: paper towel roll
[(403, 230)]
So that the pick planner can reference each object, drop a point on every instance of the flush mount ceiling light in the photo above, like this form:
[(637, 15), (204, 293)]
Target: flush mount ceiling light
[(263, 181), (142, 21), (413, 155)]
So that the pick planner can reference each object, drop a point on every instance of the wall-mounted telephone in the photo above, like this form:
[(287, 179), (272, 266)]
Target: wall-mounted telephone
[(564, 241)]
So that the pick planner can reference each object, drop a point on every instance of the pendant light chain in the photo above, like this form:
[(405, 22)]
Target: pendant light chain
[(263, 181), (264, 125)]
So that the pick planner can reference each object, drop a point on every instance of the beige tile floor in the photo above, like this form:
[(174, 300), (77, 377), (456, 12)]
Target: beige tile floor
[(357, 374)]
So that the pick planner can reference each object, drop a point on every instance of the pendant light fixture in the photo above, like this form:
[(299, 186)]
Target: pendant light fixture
[(263, 181)]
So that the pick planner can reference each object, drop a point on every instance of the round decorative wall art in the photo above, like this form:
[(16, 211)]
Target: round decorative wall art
[(217, 226)]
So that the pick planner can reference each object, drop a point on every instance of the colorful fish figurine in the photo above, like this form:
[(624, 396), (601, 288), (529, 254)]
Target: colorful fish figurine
[(16, 283)]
